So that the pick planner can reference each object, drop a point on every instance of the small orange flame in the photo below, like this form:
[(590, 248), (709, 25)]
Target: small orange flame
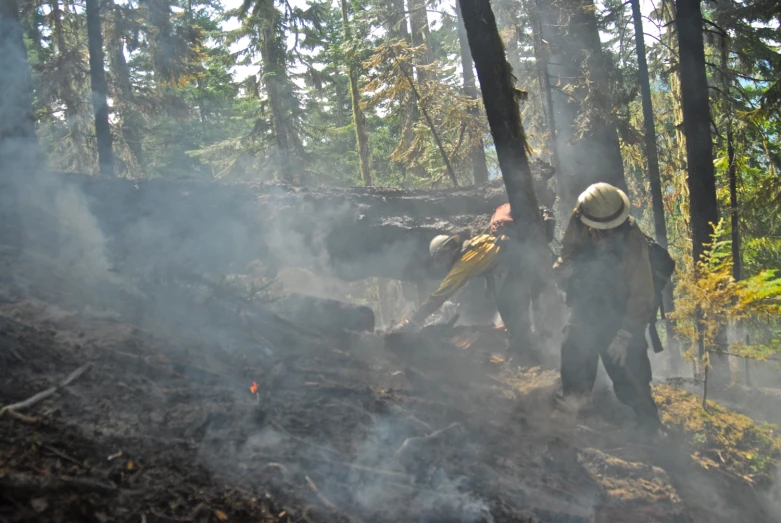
[(254, 388)]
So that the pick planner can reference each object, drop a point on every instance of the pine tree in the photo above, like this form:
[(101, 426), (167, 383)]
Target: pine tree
[(99, 88), (479, 167), (582, 101), (18, 142), (359, 120)]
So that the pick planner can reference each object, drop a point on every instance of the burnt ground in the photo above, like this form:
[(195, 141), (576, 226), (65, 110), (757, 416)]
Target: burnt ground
[(435, 427)]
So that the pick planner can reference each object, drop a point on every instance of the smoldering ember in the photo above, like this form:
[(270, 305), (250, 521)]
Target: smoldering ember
[(360, 261)]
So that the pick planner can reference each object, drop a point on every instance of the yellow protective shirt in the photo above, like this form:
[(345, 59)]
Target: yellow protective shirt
[(480, 257)]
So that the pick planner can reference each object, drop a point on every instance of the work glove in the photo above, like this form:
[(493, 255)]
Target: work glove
[(619, 347), (562, 270), (402, 326)]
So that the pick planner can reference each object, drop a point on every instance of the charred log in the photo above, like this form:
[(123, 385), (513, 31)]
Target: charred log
[(325, 315), (348, 233)]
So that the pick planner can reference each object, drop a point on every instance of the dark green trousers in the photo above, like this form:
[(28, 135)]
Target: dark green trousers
[(513, 300), (587, 338)]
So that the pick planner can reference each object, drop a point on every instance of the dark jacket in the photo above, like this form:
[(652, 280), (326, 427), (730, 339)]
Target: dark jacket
[(611, 273)]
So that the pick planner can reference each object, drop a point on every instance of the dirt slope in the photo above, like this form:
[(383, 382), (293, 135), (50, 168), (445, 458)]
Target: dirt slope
[(432, 428)]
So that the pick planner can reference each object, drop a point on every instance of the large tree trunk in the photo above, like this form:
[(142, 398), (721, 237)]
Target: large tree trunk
[(703, 205), (397, 30), (421, 36), (274, 76), (732, 168), (677, 158), (592, 154), (501, 106), (652, 156), (359, 120), (99, 88), (704, 211), (477, 153), (541, 59), (18, 142), (671, 42), (654, 174), (732, 173), (124, 99), (81, 158)]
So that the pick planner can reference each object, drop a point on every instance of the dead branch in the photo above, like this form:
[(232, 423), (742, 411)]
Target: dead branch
[(21, 417), (404, 413), (280, 467), (28, 483), (29, 402), (324, 500), (303, 441), (398, 476), (449, 167), (169, 518), (423, 439), (65, 456)]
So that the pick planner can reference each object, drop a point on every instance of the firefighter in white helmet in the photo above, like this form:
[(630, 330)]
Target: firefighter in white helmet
[(606, 273)]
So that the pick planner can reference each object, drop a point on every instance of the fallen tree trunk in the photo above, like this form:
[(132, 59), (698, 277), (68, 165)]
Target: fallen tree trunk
[(350, 233), (325, 315)]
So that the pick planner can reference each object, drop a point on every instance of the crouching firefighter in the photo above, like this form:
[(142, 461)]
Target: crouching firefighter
[(605, 270), (496, 257)]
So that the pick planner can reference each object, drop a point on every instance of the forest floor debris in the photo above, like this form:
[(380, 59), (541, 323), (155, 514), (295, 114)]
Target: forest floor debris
[(340, 428)]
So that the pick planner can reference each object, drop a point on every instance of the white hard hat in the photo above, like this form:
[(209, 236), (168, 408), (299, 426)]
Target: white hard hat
[(603, 206), (439, 242)]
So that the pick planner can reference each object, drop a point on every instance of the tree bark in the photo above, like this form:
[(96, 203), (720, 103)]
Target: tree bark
[(671, 37), (124, 88), (477, 153), (732, 173), (99, 88), (359, 120), (396, 25), (704, 212), (18, 141), (576, 60), (274, 76), (501, 106), (504, 119), (652, 156), (70, 90), (678, 157), (703, 205), (732, 168), (654, 174), (541, 59), (421, 36)]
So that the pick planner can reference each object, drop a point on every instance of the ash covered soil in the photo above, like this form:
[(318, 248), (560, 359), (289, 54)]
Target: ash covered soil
[(438, 426)]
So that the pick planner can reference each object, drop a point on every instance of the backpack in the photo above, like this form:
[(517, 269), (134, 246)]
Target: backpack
[(662, 268)]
